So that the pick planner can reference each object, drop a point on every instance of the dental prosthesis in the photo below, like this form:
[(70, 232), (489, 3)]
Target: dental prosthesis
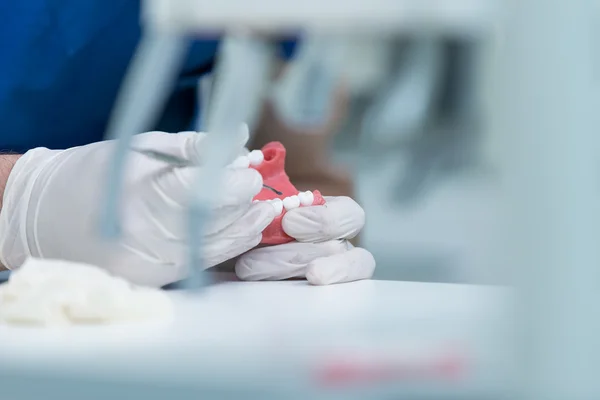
[(277, 189)]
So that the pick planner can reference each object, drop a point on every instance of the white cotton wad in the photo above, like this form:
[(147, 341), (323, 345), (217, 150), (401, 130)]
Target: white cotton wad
[(53, 292)]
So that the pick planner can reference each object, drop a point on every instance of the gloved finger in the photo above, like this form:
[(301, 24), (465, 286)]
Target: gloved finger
[(228, 250), (157, 263), (352, 265), (183, 145), (250, 223), (239, 237), (233, 198), (340, 218), (166, 204), (238, 186), (285, 261)]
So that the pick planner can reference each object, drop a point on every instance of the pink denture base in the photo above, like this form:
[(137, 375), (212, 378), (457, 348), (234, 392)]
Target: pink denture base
[(273, 173)]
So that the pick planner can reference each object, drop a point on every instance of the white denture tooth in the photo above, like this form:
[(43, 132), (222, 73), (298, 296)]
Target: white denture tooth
[(255, 201), (306, 198), (311, 196), (277, 204), (289, 203), (241, 162), (256, 157)]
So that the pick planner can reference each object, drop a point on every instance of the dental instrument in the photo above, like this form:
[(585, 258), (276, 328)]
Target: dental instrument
[(170, 159), (277, 192)]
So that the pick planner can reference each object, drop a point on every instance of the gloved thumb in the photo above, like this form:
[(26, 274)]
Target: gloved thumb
[(188, 146)]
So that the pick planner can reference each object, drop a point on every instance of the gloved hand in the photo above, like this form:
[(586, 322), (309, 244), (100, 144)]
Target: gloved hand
[(322, 253), (53, 199)]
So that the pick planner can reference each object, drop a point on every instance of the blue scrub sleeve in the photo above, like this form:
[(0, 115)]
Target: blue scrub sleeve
[(288, 48)]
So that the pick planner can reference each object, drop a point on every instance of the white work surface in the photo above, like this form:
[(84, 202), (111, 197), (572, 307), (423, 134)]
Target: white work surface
[(284, 332)]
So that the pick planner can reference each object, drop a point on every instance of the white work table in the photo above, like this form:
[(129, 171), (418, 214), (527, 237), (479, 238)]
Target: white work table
[(284, 334)]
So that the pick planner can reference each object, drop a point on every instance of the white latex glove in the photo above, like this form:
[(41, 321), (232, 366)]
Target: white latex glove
[(53, 200), (322, 253)]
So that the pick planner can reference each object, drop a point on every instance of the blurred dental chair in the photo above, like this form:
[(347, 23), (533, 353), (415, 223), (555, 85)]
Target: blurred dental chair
[(427, 117)]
